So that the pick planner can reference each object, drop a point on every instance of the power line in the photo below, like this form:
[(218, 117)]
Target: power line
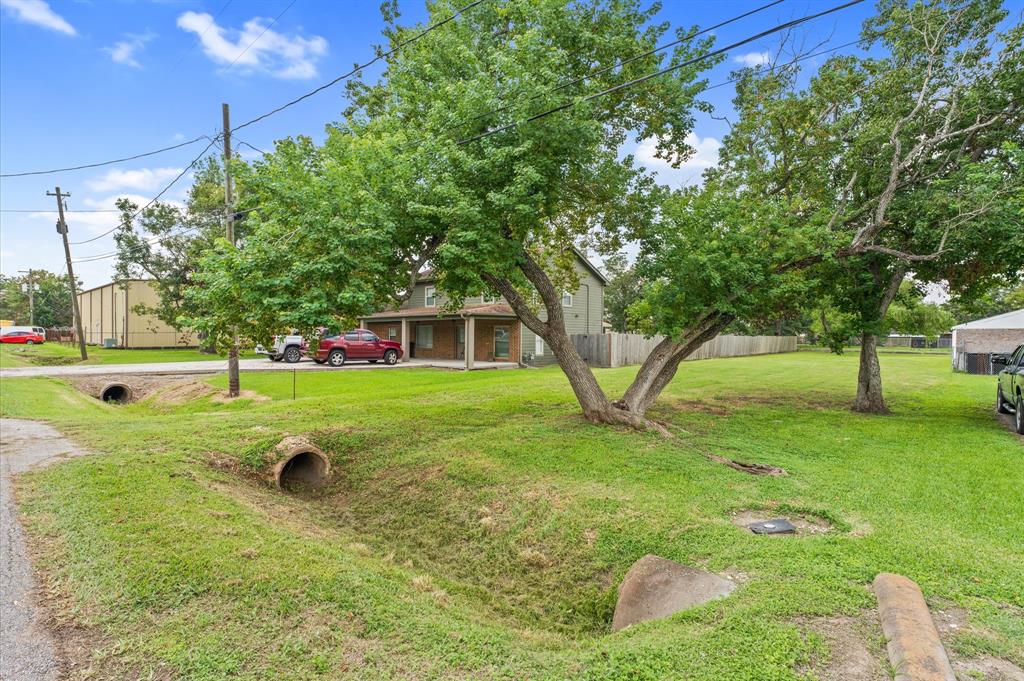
[(107, 163), (195, 42), (246, 144), (360, 67), (629, 60), (669, 69), (51, 210), (256, 40), (293, 102), (157, 197)]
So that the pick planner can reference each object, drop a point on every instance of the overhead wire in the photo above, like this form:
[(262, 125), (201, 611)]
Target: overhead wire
[(110, 162), (257, 38), (636, 81), (157, 197), (775, 29)]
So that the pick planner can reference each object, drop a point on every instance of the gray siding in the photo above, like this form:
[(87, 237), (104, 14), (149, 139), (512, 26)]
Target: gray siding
[(419, 298), (584, 316)]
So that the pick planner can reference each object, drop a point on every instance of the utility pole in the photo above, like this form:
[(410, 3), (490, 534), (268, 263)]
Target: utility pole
[(62, 229), (31, 296), (229, 228)]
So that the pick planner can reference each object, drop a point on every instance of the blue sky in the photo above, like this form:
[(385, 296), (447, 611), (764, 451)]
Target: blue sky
[(86, 81)]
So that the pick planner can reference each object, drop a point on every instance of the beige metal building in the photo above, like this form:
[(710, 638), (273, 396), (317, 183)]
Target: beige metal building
[(109, 317)]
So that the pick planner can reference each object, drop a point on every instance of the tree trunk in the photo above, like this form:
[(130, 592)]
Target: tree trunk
[(869, 380), (592, 399), (233, 382), (661, 365)]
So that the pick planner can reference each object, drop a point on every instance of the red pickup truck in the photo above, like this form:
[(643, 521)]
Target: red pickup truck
[(358, 344)]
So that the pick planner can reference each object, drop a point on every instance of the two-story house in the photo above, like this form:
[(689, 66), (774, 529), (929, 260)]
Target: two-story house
[(485, 330)]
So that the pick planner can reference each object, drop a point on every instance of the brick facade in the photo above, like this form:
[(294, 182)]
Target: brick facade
[(988, 340), (483, 349), (381, 329), (446, 334)]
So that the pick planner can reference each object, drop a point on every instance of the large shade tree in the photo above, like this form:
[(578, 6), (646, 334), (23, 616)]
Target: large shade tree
[(875, 168)]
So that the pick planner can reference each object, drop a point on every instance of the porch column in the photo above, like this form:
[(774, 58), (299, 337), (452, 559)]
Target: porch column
[(470, 341), (405, 339)]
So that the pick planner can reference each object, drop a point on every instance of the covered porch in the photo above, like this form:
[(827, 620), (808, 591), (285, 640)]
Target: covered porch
[(475, 337)]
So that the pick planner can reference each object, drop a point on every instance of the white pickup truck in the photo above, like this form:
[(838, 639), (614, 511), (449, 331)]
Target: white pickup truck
[(289, 348)]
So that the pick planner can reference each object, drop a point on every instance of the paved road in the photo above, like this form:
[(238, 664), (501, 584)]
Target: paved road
[(198, 367), (27, 652)]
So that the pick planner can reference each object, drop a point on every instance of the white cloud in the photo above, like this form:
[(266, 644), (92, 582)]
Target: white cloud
[(37, 12), (123, 51), (689, 171), (256, 47), (143, 179), (753, 59)]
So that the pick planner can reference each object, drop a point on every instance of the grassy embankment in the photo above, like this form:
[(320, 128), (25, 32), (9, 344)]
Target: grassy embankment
[(50, 354), (477, 527)]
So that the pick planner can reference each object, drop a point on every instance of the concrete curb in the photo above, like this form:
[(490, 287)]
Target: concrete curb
[(915, 651)]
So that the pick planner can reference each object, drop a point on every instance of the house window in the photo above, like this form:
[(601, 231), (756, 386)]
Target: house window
[(502, 342), (538, 346), (430, 297), (424, 336), (566, 299), (392, 333)]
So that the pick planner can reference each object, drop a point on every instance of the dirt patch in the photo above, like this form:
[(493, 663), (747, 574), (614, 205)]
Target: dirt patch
[(752, 468), (698, 407), (222, 397), (855, 648), (183, 391), (141, 385), (989, 669), (806, 523)]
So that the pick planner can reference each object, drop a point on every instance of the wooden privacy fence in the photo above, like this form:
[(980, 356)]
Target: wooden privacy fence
[(622, 349)]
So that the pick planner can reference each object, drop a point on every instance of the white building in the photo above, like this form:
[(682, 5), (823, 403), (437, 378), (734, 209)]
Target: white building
[(975, 342)]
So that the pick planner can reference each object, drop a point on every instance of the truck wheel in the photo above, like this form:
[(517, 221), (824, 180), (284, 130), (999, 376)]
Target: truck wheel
[(1018, 418), (272, 358), (336, 358), (1001, 406), (390, 357), (292, 355)]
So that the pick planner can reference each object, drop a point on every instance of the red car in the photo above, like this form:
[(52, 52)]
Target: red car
[(358, 344), (26, 337)]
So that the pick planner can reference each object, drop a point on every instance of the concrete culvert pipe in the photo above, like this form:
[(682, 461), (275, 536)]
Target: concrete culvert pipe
[(116, 392), (300, 465)]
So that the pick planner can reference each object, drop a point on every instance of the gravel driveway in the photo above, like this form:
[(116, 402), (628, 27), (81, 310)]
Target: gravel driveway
[(27, 652)]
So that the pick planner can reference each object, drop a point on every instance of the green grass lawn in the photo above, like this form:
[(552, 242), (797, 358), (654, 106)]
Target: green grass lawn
[(55, 354), (477, 527)]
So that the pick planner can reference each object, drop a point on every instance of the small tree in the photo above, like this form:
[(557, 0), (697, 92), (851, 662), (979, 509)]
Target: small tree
[(164, 243)]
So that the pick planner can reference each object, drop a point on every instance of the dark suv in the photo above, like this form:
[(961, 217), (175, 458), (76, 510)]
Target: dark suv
[(358, 344), (1010, 386)]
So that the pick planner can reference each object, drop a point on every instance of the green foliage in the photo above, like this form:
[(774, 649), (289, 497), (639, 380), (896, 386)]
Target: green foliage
[(829, 190), (623, 290), (52, 299), (342, 228), (911, 315)]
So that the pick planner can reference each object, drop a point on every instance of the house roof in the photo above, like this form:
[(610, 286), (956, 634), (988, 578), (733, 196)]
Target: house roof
[(485, 310), (1007, 320)]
